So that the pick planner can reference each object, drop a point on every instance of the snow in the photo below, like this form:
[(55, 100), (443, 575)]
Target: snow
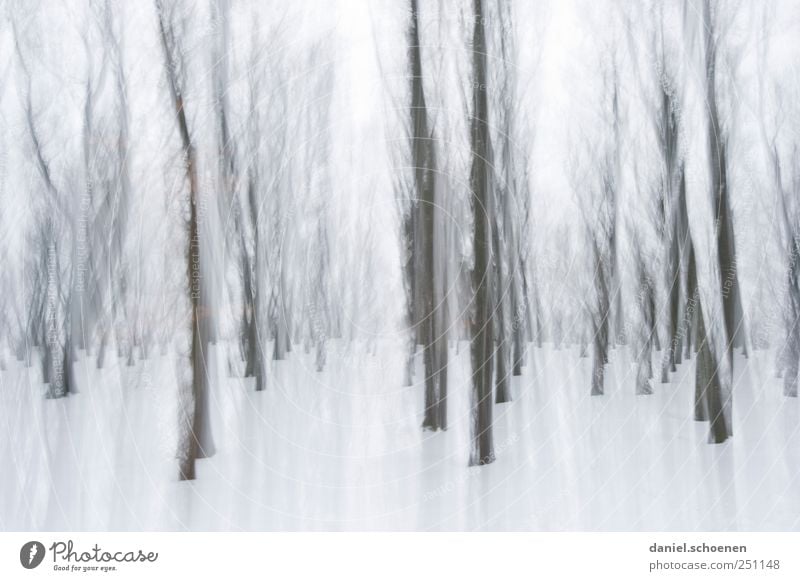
[(343, 450)]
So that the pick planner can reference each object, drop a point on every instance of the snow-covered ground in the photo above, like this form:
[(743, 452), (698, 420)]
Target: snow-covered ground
[(343, 450)]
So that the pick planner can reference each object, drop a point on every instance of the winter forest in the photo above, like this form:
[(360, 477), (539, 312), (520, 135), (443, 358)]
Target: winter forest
[(399, 265)]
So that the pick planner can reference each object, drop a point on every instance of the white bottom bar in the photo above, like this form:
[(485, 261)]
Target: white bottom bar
[(379, 556)]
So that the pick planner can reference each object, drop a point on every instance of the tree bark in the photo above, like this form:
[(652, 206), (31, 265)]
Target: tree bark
[(196, 439), (482, 342), (429, 295)]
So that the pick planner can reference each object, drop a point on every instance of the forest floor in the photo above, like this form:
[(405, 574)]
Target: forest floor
[(343, 450)]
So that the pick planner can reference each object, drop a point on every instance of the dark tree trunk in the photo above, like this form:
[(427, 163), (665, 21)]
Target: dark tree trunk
[(520, 316), (482, 342), (598, 367), (69, 358), (692, 302), (101, 350), (671, 354), (644, 363), (711, 399), (500, 316), (600, 325), (673, 205), (431, 322), (254, 363), (196, 441)]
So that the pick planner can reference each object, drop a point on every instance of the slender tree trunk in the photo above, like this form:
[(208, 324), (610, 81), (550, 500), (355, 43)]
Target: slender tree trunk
[(705, 370), (517, 329), (600, 325), (692, 302), (427, 240), (644, 359), (792, 347), (671, 354), (598, 365), (101, 350), (196, 440), (482, 343), (255, 365)]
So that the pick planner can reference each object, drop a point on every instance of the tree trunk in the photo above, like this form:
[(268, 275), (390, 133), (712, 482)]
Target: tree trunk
[(711, 399), (482, 343), (792, 348), (692, 303), (196, 439), (428, 238)]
